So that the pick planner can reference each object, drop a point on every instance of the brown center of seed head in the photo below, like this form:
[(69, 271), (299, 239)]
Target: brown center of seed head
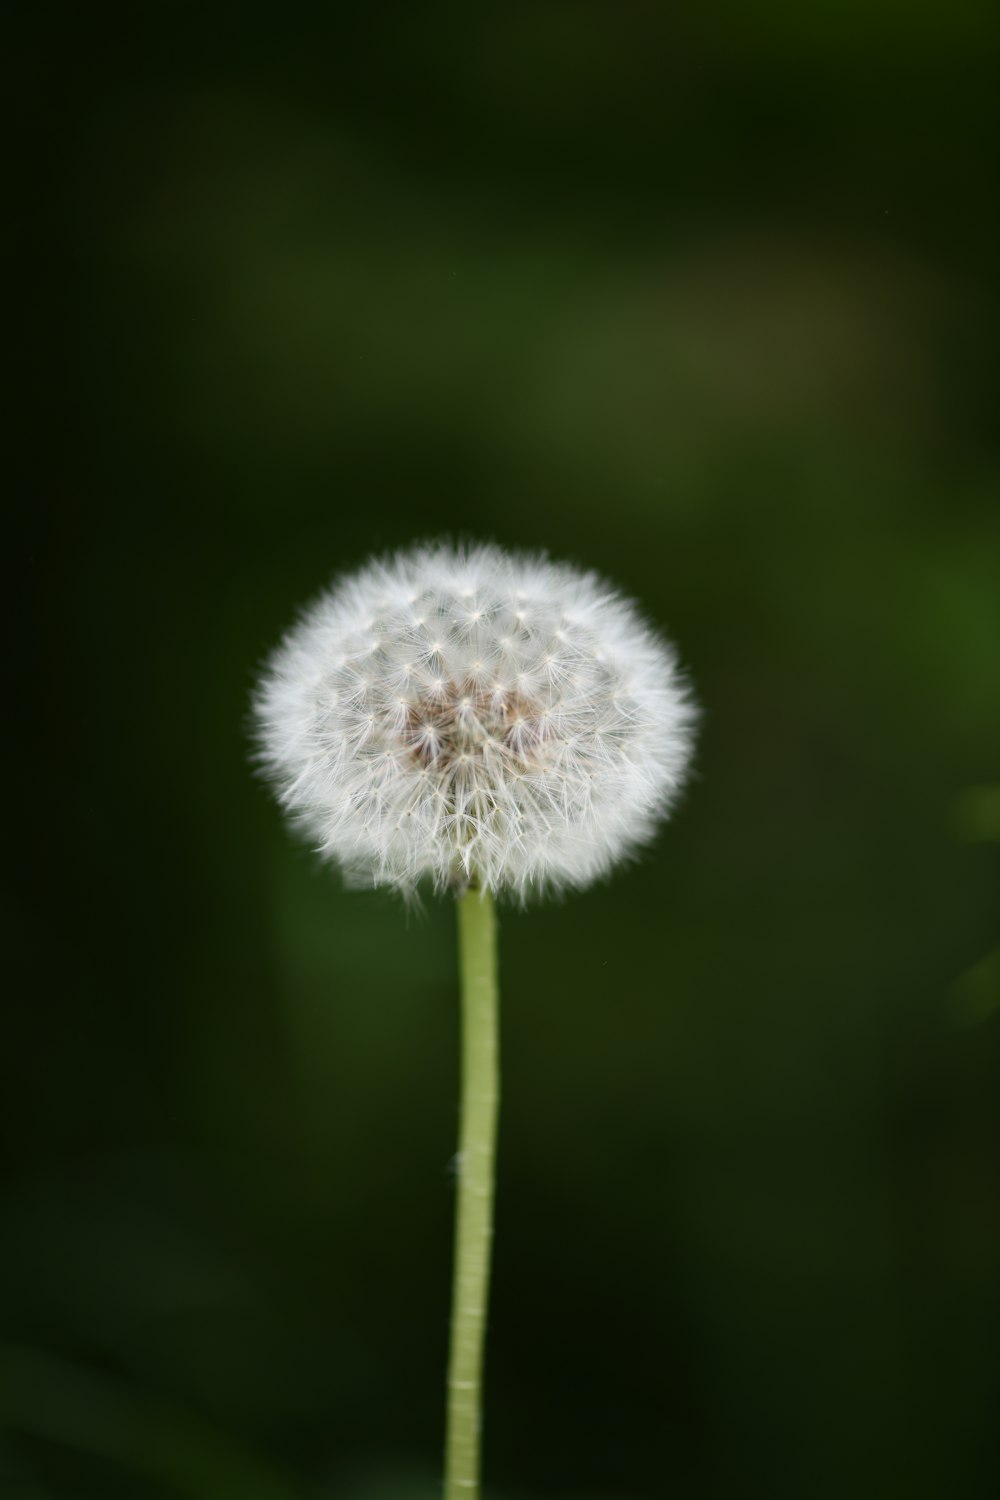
[(461, 722)]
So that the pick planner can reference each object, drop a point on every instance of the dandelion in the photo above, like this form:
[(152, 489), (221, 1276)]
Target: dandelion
[(472, 717), (489, 723)]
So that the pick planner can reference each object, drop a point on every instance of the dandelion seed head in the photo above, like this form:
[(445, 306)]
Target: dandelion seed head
[(474, 715)]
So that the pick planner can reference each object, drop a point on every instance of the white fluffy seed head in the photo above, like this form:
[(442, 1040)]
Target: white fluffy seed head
[(473, 715)]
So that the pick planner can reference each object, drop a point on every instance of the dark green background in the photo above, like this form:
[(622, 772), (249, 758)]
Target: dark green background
[(703, 298)]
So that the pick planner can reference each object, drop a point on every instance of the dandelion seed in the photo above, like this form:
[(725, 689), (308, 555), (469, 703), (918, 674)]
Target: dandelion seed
[(589, 653)]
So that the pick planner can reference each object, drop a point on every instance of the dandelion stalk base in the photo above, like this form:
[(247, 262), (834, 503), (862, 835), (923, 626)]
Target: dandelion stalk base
[(474, 1210)]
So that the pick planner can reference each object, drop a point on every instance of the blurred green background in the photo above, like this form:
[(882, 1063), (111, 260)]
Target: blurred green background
[(703, 298)]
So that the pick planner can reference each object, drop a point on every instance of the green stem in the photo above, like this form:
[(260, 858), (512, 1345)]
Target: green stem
[(477, 940)]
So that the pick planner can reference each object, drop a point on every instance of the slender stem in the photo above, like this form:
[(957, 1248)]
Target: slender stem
[(477, 940)]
